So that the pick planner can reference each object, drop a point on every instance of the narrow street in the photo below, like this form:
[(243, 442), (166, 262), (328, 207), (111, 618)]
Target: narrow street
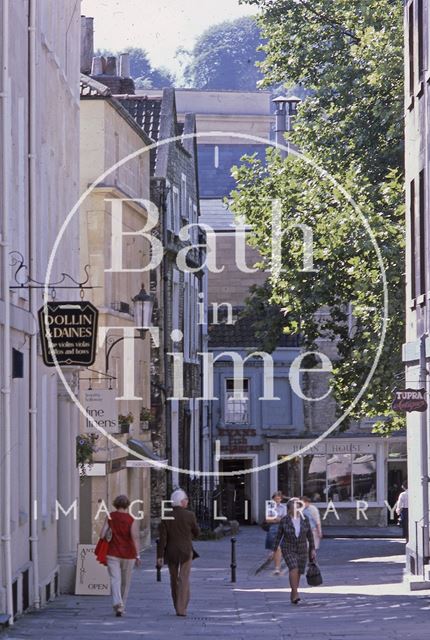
[(362, 598)]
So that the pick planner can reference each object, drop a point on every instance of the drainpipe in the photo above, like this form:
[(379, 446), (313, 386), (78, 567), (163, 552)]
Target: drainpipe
[(424, 456), (423, 368), (34, 540), (4, 241), (164, 277)]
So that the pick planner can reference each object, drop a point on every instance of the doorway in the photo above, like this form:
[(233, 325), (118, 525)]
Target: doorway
[(236, 490), (397, 471)]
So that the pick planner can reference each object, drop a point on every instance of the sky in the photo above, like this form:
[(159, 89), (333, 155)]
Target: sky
[(158, 26)]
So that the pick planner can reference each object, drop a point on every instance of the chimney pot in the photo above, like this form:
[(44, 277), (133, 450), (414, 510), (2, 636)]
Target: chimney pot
[(124, 65), (97, 66), (110, 69), (87, 43)]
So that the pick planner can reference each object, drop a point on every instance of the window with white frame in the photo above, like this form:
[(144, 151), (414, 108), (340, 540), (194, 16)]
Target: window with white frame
[(340, 477), (191, 327), (194, 318), (169, 207), (184, 200), (236, 401), (216, 156), (176, 209), (187, 316), (176, 345), (195, 234)]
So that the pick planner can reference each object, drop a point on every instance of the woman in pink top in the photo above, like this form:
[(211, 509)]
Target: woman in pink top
[(123, 552)]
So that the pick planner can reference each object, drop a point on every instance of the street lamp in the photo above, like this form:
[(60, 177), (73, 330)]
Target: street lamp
[(143, 307), (285, 110)]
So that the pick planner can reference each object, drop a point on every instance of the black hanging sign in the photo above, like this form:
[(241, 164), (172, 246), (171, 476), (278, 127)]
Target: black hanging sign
[(72, 327), (409, 400)]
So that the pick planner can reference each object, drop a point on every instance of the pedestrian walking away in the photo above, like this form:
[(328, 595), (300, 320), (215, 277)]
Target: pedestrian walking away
[(275, 511), (402, 510), (297, 544), (175, 547), (312, 512), (122, 532)]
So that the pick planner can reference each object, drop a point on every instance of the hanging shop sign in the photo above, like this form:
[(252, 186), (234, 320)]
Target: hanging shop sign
[(72, 327), (101, 405), (409, 400)]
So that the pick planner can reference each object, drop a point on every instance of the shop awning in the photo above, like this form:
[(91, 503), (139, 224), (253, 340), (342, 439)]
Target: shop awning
[(143, 449)]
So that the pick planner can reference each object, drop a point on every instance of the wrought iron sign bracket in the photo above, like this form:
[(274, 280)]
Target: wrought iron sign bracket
[(112, 341), (101, 375), (17, 260)]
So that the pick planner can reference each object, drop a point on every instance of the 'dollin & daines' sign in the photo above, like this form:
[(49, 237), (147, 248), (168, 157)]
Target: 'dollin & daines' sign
[(72, 327)]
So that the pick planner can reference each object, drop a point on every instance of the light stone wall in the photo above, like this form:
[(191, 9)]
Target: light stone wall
[(56, 190), (107, 135), (417, 141)]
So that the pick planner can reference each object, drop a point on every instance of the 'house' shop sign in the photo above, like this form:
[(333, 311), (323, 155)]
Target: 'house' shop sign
[(409, 400), (72, 327)]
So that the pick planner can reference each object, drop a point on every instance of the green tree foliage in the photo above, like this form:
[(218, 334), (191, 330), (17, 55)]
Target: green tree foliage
[(350, 55), (143, 73), (225, 56)]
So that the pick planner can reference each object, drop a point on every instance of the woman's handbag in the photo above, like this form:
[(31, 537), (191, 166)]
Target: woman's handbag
[(313, 575), (102, 547), (101, 550), (265, 526)]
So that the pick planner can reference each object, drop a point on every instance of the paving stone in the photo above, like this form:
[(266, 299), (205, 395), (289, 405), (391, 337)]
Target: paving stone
[(362, 598)]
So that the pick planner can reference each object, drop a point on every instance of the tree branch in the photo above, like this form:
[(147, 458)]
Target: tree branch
[(330, 21)]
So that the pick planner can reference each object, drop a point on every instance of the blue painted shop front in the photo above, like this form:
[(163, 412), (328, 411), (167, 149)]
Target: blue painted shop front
[(244, 425)]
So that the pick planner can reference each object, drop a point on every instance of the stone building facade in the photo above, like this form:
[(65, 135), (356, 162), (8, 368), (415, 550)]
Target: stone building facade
[(416, 350), (177, 424), (108, 135), (39, 148), (347, 466)]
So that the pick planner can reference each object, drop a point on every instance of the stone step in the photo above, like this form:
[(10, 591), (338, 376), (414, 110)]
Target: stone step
[(419, 585)]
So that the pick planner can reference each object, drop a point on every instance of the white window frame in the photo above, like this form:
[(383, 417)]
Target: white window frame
[(226, 398), (187, 317), (184, 200), (279, 449), (216, 156), (195, 230), (176, 346), (169, 207), (176, 204)]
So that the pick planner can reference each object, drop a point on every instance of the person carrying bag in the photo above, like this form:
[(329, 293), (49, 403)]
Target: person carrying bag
[(121, 552)]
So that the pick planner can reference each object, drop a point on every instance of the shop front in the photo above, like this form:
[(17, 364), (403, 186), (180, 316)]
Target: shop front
[(353, 481)]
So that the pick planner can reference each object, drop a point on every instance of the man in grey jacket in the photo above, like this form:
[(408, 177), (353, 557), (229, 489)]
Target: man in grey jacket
[(175, 547)]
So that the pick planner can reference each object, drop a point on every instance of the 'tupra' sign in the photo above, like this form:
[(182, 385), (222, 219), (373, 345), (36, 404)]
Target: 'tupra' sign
[(69, 331), (409, 400)]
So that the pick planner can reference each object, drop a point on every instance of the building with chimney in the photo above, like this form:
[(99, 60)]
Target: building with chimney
[(176, 418), (39, 173), (245, 431), (108, 135)]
